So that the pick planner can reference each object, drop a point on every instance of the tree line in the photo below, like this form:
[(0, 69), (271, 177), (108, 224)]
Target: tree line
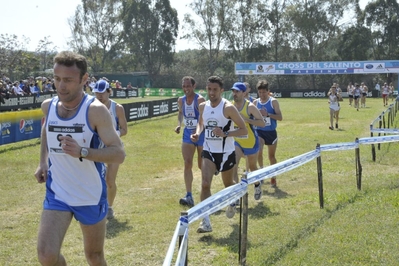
[(140, 35)]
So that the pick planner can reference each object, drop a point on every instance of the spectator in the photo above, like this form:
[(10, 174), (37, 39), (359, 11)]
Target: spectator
[(92, 83), (4, 93), (24, 85), (34, 89), (48, 87), (113, 84), (118, 84), (17, 89), (129, 86)]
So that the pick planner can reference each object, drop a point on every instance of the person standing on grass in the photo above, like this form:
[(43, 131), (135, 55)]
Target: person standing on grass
[(364, 91), (72, 164), (333, 100), (391, 90), (270, 110), (221, 122), (102, 92), (247, 145), (356, 95), (350, 89), (385, 94), (189, 113)]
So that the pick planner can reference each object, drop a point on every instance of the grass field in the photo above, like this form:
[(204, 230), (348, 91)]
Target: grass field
[(286, 227)]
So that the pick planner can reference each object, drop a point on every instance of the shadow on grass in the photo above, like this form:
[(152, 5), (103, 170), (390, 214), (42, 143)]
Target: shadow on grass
[(260, 211), (19, 146), (278, 193), (230, 242), (114, 227), (306, 231)]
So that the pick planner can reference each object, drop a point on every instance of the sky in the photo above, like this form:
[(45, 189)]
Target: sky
[(37, 19)]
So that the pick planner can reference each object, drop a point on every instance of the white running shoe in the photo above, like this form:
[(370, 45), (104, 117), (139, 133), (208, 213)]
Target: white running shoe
[(231, 211), (205, 226)]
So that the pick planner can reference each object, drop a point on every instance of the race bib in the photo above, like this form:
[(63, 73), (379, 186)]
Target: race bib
[(267, 120), (190, 122)]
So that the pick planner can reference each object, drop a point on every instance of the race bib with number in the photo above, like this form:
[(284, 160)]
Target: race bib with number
[(267, 120), (190, 122)]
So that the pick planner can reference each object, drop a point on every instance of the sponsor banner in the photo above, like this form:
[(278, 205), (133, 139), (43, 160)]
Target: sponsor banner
[(169, 92), (24, 102), (312, 94), (24, 125), (124, 93), (7, 128), (144, 110), (18, 126), (319, 68), (138, 111), (161, 107)]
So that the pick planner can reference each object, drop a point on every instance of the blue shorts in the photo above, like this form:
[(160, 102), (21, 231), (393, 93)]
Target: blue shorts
[(249, 151), (270, 137), (186, 137), (222, 161), (87, 215)]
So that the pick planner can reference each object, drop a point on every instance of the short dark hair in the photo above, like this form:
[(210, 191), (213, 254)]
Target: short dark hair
[(262, 84), (192, 80), (216, 79), (68, 58)]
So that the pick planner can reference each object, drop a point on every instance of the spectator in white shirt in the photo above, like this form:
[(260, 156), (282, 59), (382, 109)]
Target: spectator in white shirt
[(17, 90)]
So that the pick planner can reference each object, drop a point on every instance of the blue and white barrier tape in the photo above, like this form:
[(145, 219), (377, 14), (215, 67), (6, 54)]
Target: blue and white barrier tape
[(171, 249), (281, 167), (381, 139), (217, 201), (385, 130), (181, 256), (339, 146)]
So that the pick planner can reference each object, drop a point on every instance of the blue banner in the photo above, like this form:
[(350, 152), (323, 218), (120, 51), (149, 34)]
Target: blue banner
[(319, 68)]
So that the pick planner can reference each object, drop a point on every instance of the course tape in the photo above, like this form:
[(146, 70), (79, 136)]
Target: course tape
[(281, 167), (381, 139), (339, 146), (385, 130), (230, 194), (169, 254), (181, 256), (217, 201)]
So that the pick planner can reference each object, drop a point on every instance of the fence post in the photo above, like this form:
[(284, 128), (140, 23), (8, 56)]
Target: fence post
[(358, 166), (379, 134), (243, 238), (383, 122), (372, 145), (390, 121), (320, 177), (181, 235)]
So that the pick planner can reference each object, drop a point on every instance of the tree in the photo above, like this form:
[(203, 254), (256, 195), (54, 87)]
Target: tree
[(12, 55), (97, 31), (150, 32), (208, 28), (46, 51), (382, 16), (355, 44), (245, 28), (314, 23)]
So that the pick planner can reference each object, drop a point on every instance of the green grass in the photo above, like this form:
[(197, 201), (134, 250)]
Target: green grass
[(286, 227)]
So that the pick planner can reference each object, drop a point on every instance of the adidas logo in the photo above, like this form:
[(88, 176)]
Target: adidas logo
[(380, 66)]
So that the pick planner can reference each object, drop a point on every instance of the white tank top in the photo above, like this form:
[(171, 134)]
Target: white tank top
[(74, 182), (112, 111), (214, 117)]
